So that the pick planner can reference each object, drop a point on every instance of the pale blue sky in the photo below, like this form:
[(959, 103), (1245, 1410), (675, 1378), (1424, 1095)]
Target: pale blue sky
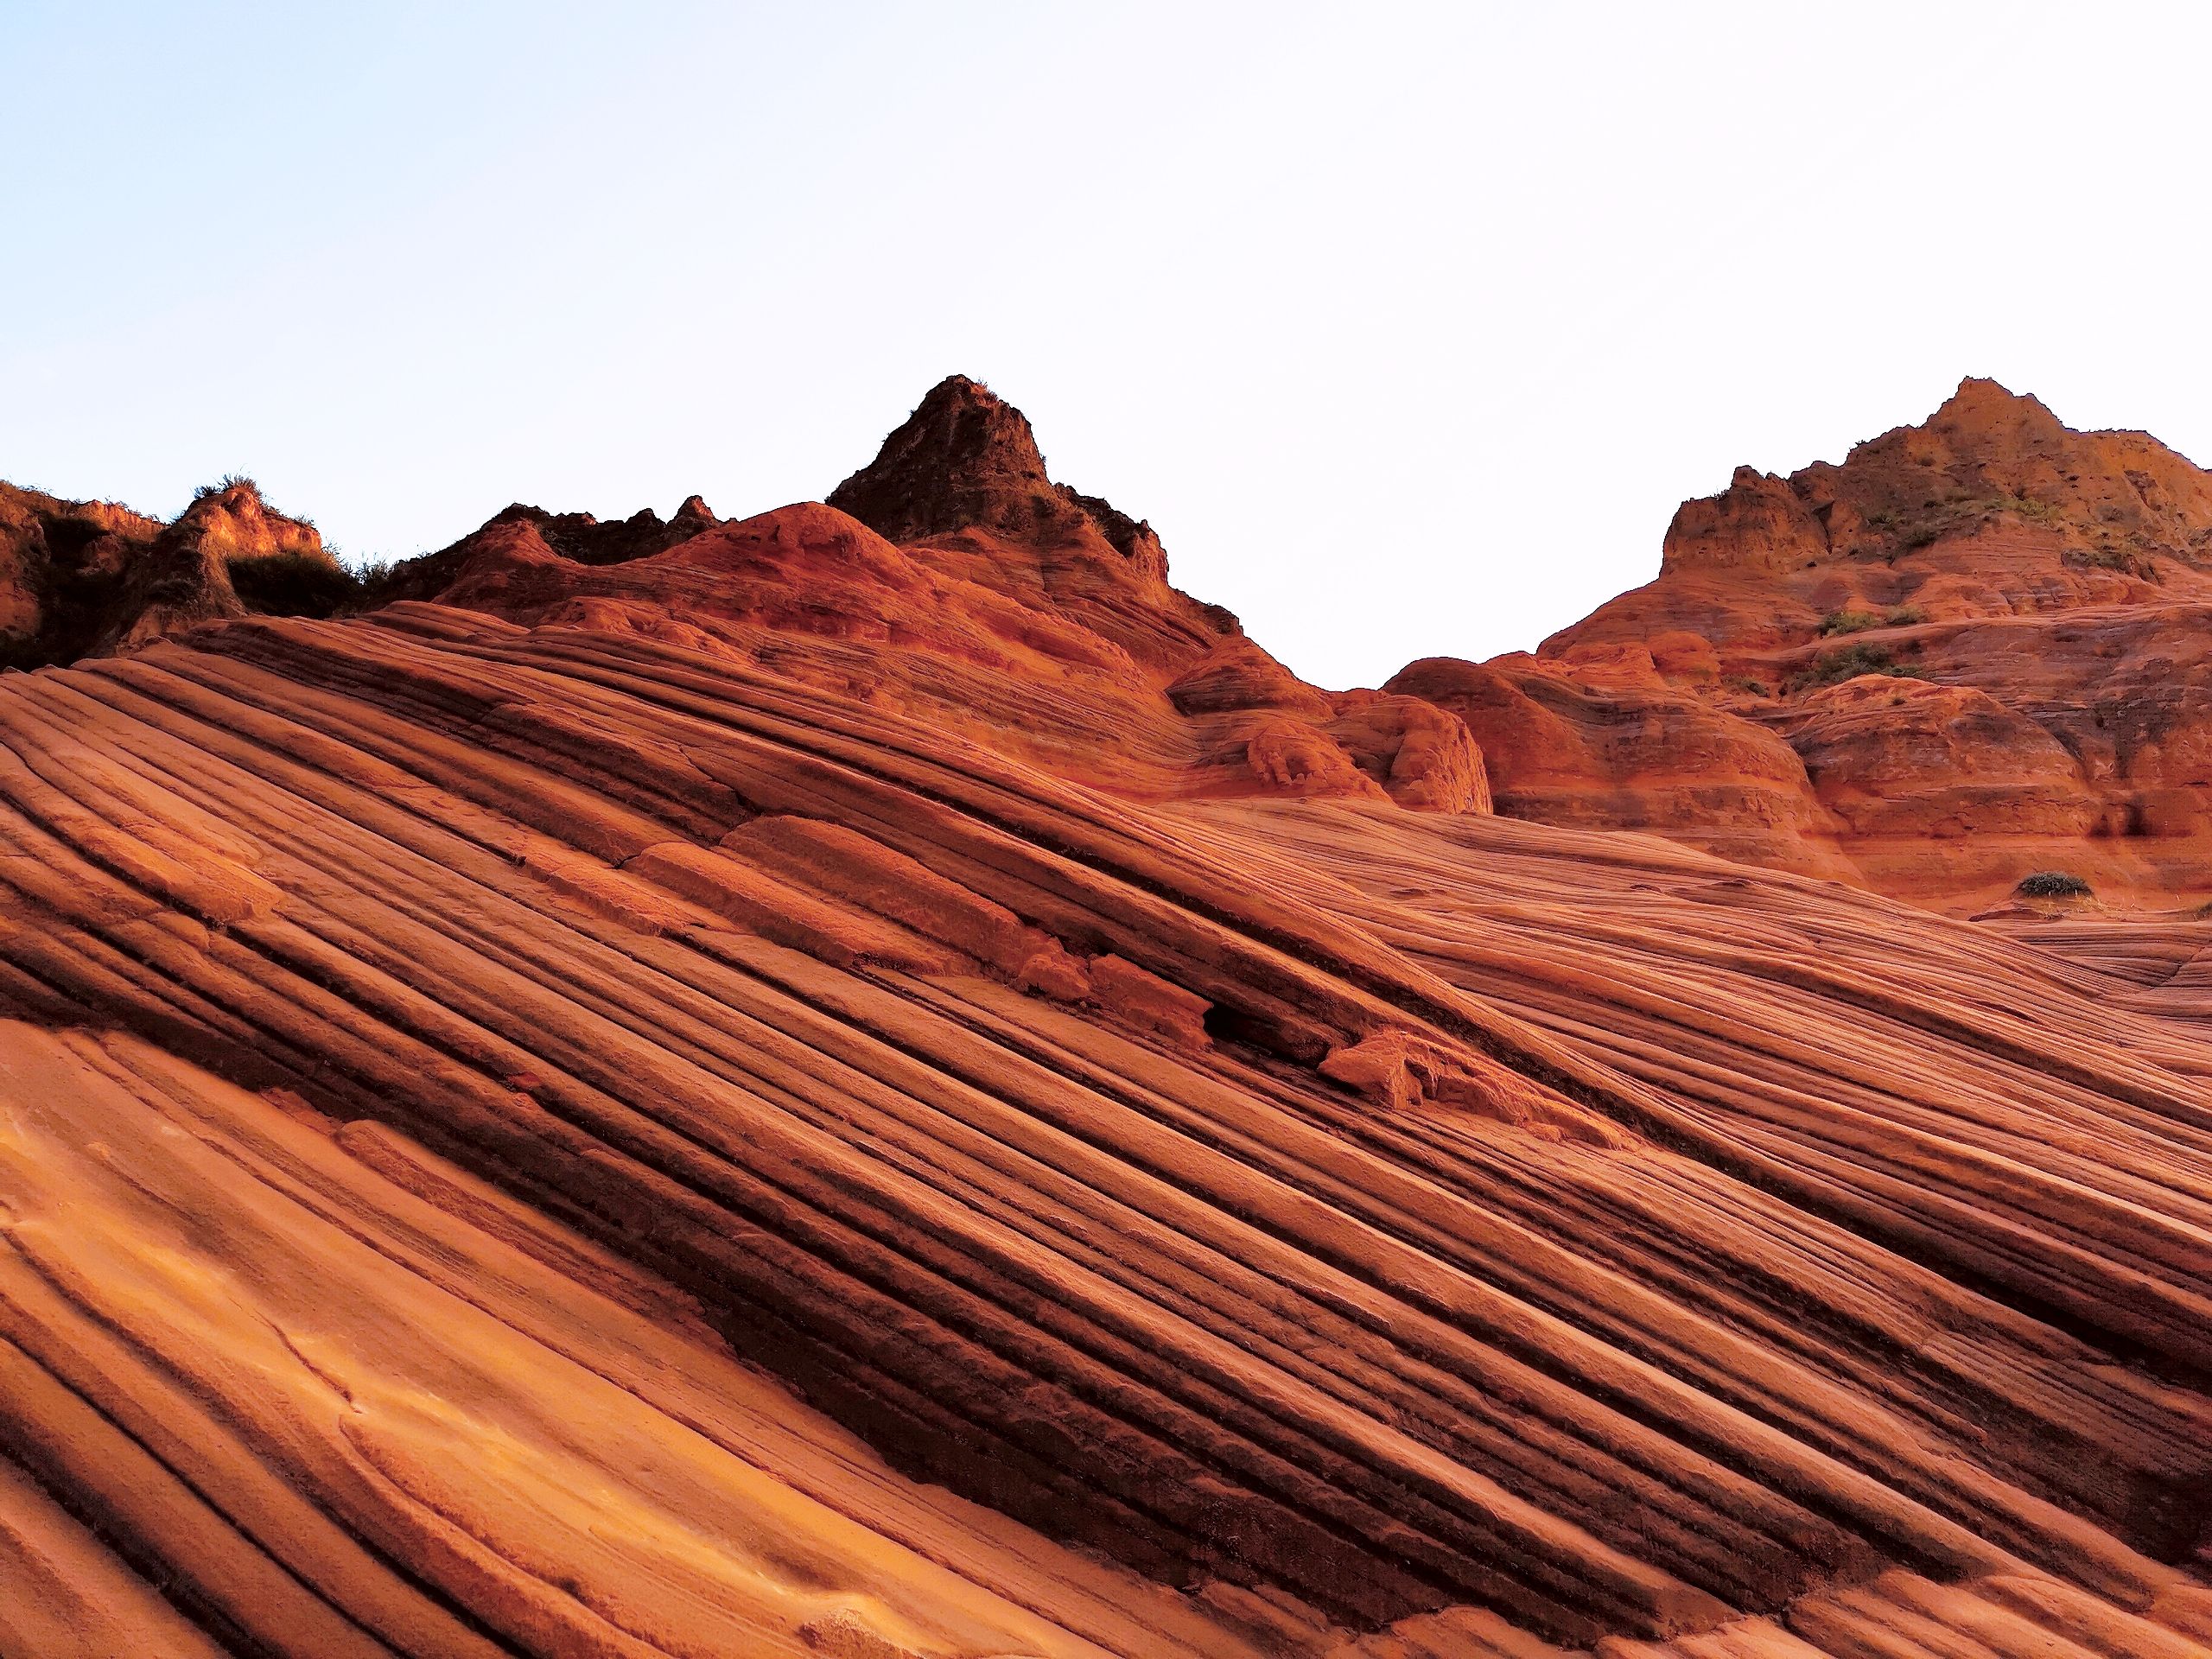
[(1405, 325)]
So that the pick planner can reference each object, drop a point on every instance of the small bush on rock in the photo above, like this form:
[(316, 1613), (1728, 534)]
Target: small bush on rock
[(1848, 622), (1836, 666), (293, 584)]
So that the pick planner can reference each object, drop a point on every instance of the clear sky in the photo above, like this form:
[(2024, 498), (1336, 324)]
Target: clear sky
[(1405, 325)]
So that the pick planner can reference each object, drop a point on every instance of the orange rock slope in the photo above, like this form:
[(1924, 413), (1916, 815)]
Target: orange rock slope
[(1978, 649), (875, 1082)]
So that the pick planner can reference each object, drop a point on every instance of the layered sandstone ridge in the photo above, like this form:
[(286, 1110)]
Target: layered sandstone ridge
[(1367, 1220), (751, 1087), (1974, 650), (952, 580)]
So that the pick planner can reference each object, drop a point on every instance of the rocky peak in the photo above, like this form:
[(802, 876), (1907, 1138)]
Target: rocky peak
[(1990, 457), (966, 459), (1983, 419), (1987, 461), (1758, 522), (230, 521)]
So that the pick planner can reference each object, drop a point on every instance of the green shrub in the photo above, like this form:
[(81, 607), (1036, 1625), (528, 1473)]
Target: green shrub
[(1836, 666), (1906, 616), (1848, 622), (2024, 506), (228, 481), (2052, 884), (2115, 558), (294, 584)]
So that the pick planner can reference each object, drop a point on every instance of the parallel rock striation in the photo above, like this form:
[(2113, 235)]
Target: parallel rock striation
[(793, 1092)]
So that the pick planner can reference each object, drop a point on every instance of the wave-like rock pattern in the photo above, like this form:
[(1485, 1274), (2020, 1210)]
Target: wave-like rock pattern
[(437, 1046)]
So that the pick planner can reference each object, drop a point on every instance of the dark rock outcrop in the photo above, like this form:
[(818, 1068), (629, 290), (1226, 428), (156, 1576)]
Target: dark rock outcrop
[(967, 460), (86, 578)]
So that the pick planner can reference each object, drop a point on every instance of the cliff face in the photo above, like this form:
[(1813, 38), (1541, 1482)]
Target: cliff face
[(86, 578), (1976, 649), (796, 1093)]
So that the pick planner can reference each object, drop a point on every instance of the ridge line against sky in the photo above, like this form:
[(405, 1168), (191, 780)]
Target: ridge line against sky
[(1407, 334)]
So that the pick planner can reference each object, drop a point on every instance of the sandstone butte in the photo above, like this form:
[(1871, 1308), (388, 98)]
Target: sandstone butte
[(1979, 649), (873, 1081)]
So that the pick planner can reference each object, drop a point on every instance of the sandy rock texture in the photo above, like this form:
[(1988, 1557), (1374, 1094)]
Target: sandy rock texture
[(873, 1081)]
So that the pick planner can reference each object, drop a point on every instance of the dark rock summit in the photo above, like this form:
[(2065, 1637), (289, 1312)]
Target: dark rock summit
[(967, 460)]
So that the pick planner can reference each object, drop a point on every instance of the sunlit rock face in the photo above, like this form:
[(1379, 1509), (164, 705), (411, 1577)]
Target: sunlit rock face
[(885, 1086), (85, 578), (2056, 586)]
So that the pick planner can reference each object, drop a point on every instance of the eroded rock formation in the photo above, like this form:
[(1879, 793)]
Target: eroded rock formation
[(1009, 611), (2053, 586), (798, 1092), (89, 578)]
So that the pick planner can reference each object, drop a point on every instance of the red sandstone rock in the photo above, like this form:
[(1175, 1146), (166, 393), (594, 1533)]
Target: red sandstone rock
[(1567, 1315), (965, 460), (1421, 754), (85, 578), (952, 580), (1602, 741), (2037, 571), (1237, 675), (1871, 743), (1758, 526), (1133, 997), (793, 1093)]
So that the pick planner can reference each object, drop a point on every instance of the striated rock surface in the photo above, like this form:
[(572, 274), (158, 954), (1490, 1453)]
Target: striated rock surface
[(784, 1095), (950, 580), (2059, 582), (1607, 743)]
